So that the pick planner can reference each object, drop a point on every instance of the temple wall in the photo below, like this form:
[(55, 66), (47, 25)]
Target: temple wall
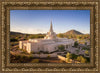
[(20, 45), (43, 46), (28, 47), (34, 47)]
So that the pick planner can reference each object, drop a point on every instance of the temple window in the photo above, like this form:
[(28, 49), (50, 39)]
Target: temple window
[(66, 46)]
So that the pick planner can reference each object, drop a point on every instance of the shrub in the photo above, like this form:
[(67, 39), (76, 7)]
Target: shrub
[(85, 43), (68, 55), (87, 52), (32, 52), (46, 52), (75, 44), (81, 59), (48, 56), (18, 56), (24, 51), (13, 40), (74, 56), (41, 51), (30, 57), (38, 52), (87, 60), (35, 61), (61, 47), (85, 48), (24, 57), (60, 35)]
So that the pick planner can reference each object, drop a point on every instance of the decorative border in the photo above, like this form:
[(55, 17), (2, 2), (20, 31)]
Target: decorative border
[(7, 6)]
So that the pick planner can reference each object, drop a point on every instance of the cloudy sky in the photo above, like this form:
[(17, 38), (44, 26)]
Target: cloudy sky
[(38, 21)]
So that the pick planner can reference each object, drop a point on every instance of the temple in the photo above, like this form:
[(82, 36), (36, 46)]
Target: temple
[(49, 43), (51, 34)]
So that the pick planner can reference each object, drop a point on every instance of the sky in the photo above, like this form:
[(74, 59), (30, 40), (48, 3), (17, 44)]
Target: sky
[(38, 21)]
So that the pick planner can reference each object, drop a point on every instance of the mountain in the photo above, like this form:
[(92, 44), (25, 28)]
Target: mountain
[(14, 33), (73, 32)]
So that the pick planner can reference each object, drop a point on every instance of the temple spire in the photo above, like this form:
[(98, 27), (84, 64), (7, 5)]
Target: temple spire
[(51, 29), (50, 34)]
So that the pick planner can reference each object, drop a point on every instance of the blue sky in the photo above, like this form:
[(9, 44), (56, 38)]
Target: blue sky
[(38, 21)]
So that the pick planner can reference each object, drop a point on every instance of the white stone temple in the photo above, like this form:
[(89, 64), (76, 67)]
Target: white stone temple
[(49, 43)]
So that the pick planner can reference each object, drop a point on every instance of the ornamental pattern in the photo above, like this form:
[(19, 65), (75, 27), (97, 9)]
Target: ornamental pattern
[(7, 66)]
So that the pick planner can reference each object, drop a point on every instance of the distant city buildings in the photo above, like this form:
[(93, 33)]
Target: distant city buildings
[(49, 43)]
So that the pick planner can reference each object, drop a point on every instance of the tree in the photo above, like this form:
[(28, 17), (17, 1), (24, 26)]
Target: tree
[(80, 37), (68, 55), (13, 39), (85, 43), (61, 47), (75, 43), (81, 59), (87, 52), (60, 35), (32, 52), (48, 56), (31, 37), (85, 48), (73, 56)]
